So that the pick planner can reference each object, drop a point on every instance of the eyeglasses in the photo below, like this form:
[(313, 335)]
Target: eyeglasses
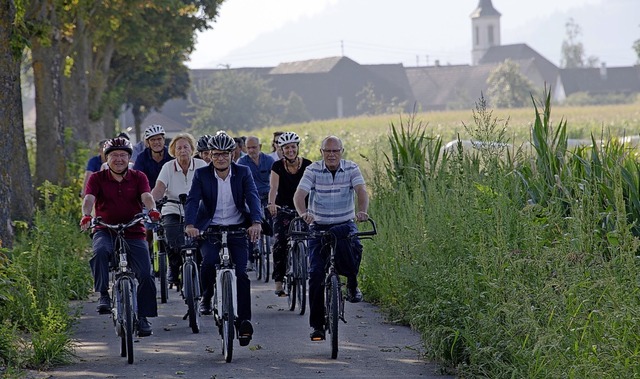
[(119, 156), (220, 155), (331, 151)]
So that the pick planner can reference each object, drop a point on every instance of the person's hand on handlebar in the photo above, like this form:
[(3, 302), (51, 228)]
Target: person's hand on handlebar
[(273, 209), (254, 231), (362, 216), (85, 222), (307, 217), (154, 215), (191, 231)]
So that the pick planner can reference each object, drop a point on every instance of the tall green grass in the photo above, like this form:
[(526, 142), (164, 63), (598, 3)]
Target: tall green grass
[(517, 267)]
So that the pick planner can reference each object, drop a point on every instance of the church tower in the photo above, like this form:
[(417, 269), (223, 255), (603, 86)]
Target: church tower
[(485, 29)]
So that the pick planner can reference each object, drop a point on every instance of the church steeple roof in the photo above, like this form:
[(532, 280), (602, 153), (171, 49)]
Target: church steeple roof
[(485, 8)]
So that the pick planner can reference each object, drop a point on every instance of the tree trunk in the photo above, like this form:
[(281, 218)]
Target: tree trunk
[(15, 179), (50, 118)]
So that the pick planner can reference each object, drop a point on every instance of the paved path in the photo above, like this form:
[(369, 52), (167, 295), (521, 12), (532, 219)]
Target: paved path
[(281, 348)]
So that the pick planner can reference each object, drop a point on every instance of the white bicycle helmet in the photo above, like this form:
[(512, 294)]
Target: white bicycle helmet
[(287, 138), (153, 130), (203, 143), (222, 141)]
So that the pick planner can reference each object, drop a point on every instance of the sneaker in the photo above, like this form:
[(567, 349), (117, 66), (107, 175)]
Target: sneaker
[(250, 266), (205, 307), (317, 334), (104, 305), (354, 295), (144, 327), (245, 332)]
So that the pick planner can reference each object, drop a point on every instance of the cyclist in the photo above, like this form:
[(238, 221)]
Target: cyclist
[(330, 184), (203, 148), (223, 194), (285, 176), (276, 152), (174, 179), (118, 194), (151, 160), (94, 164), (260, 165)]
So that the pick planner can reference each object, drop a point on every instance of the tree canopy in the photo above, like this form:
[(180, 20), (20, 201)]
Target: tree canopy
[(508, 88)]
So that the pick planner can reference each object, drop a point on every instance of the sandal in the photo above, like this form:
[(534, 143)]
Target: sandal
[(317, 335)]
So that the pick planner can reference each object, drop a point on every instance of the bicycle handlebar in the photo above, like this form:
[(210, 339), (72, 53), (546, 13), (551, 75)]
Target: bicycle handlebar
[(321, 233), (97, 221), (181, 201)]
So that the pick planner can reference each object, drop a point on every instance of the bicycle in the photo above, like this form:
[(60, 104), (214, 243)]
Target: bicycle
[(124, 287), (190, 288), (225, 303), (261, 252), (334, 297), (160, 254), (297, 273), (160, 249)]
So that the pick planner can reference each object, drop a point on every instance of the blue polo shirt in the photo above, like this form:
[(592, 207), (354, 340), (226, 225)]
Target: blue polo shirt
[(94, 163), (260, 173), (151, 168)]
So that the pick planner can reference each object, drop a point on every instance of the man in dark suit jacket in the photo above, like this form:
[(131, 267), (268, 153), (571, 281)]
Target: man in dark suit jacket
[(224, 195)]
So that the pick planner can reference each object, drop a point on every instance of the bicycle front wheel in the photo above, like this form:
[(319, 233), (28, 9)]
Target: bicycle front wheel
[(127, 319), (162, 273), (333, 311), (266, 251), (228, 316), (301, 277), (190, 297)]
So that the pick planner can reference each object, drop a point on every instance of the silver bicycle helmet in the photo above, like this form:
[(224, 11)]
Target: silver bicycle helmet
[(287, 138), (222, 141), (203, 143), (153, 130)]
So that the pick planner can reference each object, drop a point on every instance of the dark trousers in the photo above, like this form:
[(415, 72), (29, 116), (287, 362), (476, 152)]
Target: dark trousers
[(239, 250), (174, 233), (347, 263), (280, 246), (139, 262)]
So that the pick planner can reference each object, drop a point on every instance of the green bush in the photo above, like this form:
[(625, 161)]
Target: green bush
[(516, 267)]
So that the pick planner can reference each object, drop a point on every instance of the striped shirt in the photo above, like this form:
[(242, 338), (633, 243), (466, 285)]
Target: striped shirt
[(331, 199)]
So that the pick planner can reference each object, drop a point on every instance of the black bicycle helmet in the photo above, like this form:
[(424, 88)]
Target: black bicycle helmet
[(203, 143), (118, 143), (222, 141), (287, 138)]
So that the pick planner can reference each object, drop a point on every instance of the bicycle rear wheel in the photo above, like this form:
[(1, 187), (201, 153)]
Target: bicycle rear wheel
[(228, 316), (333, 311), (127, 318), (301, 277), (189, 287), (162, 273)]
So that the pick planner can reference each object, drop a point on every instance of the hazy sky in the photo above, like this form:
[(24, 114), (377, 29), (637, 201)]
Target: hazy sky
[(255, 33)]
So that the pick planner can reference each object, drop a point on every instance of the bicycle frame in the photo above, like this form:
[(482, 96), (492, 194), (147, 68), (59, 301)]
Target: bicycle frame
[(226, 265), (122, 276)]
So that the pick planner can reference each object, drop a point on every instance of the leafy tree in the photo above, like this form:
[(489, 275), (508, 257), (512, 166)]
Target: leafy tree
[(78, 87), (636, 47), (573, 55), (232, 100), (369, 103), (295, 111), (508, 88)]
